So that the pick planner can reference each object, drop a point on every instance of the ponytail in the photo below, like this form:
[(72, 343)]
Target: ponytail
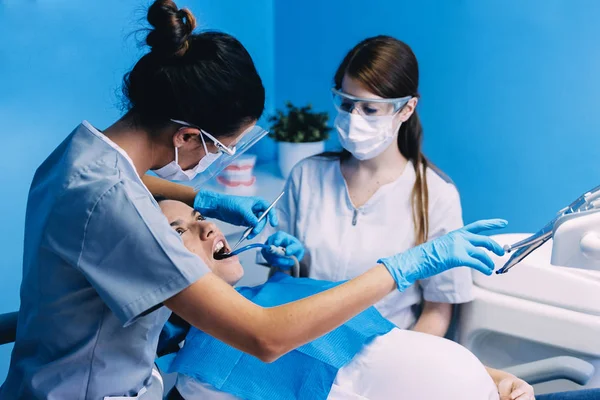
[(410, 141)]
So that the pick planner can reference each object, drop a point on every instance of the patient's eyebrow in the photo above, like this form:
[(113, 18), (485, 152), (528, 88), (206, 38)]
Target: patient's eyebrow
[(195, 213), (177, 222)]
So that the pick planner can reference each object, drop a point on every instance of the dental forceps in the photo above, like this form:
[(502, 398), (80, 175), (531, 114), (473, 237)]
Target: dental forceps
[(588, 201)]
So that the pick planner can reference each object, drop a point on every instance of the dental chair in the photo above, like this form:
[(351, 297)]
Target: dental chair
[(541, 320)]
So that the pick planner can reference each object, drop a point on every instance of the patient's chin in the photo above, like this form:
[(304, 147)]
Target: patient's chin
[(230, 273)]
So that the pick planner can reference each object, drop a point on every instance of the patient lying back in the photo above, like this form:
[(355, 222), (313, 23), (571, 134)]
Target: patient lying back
[(366, 358)]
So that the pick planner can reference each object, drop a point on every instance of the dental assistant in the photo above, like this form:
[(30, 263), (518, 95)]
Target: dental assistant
[(380, 195), (102, 267)]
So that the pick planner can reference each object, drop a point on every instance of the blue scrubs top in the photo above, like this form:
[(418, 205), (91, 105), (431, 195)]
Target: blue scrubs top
[(99, 260)]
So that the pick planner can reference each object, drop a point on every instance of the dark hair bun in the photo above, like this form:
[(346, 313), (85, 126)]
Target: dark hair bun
[(205, 78), (172, 28)]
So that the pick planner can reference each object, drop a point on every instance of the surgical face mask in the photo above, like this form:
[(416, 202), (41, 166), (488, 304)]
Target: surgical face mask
[(173, 171), (204, 163), (366, 137)]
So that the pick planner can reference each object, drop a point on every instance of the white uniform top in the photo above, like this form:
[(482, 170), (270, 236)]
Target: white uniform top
[(342, 241)]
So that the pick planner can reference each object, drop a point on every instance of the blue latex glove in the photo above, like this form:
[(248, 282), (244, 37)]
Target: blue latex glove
[(460, 248), (236, 210), (292, 246)]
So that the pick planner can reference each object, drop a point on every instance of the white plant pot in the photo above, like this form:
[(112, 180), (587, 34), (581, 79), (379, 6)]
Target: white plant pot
[(291, 153)]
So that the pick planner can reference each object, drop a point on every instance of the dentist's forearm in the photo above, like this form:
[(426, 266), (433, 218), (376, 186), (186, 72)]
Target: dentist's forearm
[(170, 190), (214, 307)]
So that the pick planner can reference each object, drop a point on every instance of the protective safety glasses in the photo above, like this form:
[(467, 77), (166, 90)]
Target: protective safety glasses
[(367, 107), (220, 146), (229, 154)]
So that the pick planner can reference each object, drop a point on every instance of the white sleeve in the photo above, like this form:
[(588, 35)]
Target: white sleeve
[(456, 285), (286, 212), (287, 207)]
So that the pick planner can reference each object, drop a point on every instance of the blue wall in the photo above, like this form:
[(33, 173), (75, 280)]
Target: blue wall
[(61, 61), (509, 90)]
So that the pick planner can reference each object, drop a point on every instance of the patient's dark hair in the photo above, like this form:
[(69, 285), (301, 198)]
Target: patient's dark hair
[(207, 79), (159, 198)]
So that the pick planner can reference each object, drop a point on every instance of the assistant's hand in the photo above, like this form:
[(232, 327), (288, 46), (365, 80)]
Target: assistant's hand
[(464, 247), (236, 210), (513, 388), (292, 246)]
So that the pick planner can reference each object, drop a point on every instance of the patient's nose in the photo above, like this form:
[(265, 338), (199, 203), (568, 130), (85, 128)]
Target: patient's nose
[(207, 230)]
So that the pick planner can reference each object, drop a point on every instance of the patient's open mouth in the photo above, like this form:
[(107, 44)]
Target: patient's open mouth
[(220, 250)]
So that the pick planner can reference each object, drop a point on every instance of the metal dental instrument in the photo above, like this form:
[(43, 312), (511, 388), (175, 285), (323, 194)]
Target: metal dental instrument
[(587, 201), (247, 247), (273, 249), (247, 231), (525, 247)]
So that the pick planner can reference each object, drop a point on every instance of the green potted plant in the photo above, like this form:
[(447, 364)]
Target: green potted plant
[(300, 133)]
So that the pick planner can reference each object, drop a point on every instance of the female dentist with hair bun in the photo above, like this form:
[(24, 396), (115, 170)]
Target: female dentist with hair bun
[(102, 267)]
